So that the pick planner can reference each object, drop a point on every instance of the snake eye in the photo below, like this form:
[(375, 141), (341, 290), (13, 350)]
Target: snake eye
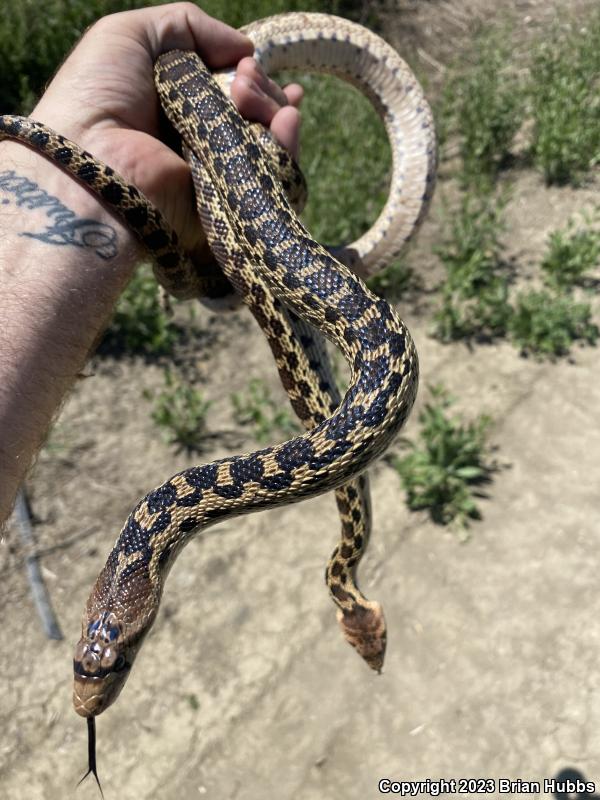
[(120, 664), (113, 633)]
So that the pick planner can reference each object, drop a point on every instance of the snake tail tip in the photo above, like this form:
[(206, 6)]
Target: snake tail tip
[(364, 628)]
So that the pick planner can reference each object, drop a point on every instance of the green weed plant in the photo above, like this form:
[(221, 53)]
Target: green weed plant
[(140, 323), (475, 290), (572, 253), (565, 102), (545, 323), (254, 406), (446, 468), (180, 412), (483, 108)]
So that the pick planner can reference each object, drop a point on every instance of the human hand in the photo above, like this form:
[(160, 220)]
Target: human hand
[(103, 98)]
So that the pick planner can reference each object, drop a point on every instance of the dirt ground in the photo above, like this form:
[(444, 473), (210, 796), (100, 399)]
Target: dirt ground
[(245, 688)]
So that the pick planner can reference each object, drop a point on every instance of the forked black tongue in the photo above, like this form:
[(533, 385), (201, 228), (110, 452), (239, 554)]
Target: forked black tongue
[(91, 726)]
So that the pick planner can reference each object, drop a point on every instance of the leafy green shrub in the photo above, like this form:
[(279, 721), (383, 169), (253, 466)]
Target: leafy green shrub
[(449, 461), (33, 43), (565, 102), (472, 247), (241, 12), (180, 411), (483, 106), (547, 323), (571, 254), (485, 315), (256, 407), (475, 292), (139, 324)]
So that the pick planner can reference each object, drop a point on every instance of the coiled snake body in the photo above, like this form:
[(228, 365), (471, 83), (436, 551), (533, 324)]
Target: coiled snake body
[(293, 286)]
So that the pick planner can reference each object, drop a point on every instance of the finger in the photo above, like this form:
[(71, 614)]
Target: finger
[(255, 96), (250, 68), (285, 127), (256, 106), (252, 103), (184, 26), (294, 93)]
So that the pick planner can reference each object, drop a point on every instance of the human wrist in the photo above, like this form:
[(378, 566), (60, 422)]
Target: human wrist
[(84, 130), (64, 260), (48, 205)]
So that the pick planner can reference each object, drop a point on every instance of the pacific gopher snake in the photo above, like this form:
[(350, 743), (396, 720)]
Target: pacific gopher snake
[(290, 283)]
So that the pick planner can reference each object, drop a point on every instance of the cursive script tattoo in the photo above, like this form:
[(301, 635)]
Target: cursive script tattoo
[(65, 226)]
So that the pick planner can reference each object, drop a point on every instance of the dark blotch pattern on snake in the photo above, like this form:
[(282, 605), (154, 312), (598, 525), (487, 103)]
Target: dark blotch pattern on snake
[(292, 285)]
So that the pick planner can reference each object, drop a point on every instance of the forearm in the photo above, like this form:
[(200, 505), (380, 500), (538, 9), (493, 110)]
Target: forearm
[(64, 260)]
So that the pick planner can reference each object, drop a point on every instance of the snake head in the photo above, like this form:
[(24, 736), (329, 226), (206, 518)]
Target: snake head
[(101, 665)]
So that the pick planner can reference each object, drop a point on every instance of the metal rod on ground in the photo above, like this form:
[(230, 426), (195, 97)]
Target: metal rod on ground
[(40, 594)]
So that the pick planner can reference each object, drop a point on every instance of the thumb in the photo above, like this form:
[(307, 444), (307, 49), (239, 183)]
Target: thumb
[(186, 27)]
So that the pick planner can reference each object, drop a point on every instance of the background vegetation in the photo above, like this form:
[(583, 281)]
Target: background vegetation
[(497, 111)]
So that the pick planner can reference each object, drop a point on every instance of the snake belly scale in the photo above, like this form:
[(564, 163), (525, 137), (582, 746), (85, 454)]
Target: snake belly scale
[(295, 288)]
